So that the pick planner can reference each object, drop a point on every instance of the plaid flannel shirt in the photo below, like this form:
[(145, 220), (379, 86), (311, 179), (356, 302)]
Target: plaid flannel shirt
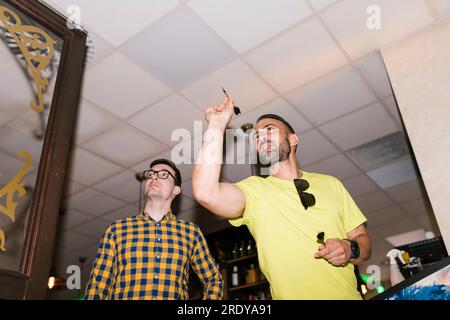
[(139, 258)]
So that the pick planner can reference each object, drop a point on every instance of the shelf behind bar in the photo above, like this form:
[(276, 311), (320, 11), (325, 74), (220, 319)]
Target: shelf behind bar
[(254, 284), (242, 258)]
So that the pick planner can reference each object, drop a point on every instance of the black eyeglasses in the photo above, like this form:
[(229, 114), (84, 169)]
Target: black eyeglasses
[(306, 198), (161, 174)]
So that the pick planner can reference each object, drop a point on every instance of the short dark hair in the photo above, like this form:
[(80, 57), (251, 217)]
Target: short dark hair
[(170, 164), (276, 117)]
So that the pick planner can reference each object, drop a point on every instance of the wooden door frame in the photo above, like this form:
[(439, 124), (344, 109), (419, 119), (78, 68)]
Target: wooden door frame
[(30, 282)]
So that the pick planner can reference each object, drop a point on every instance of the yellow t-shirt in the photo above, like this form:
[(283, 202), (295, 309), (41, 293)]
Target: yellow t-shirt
[(286, 235)]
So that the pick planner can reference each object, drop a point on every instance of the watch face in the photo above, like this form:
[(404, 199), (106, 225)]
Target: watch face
[(355, 249)]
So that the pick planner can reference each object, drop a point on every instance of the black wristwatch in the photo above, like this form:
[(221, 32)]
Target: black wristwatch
[(354, 249)]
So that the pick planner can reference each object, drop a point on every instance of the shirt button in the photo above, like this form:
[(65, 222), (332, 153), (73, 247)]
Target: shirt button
[(157, 257), (159, 239), (156, 276), (158, 224)]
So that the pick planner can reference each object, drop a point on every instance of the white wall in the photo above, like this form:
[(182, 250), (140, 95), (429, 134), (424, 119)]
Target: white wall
[(419, 70)]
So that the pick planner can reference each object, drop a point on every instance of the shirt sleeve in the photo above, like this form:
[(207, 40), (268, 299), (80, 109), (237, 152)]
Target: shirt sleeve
[(206, 269), (103, 270), (246, 187), (351, 214)]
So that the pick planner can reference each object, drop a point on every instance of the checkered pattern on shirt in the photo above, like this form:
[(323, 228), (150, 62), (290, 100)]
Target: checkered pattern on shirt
[(139, 258)]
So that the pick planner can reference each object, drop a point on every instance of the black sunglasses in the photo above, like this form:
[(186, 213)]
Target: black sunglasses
[(306, 198)]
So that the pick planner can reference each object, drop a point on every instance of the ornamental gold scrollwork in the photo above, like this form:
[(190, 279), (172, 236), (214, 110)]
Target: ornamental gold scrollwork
[(16, 185), (37, 48)]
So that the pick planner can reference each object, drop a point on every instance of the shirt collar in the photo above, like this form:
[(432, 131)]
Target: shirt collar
[(286, 182), (168, 216)]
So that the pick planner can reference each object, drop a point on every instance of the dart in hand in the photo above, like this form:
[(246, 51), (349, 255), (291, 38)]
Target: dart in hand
[(236, 108)]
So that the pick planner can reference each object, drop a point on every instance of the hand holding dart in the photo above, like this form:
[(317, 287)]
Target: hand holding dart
[(236, 108)]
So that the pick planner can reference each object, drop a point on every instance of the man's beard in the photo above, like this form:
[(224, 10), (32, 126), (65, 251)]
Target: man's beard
[(277, 155)]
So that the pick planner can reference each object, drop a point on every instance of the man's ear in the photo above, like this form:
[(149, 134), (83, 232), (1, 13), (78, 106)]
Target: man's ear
[(293, 140), (176, 191)]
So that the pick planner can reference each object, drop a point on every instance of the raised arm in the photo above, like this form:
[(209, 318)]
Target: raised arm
[(223, 199)]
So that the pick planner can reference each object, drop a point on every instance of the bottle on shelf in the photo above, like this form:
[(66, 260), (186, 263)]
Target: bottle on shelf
[(242, 249), (235, 251), (235, 277), (252, 274), (251, 247)]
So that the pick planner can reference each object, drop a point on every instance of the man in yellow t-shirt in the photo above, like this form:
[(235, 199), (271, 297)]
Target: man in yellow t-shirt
[(288, 213)]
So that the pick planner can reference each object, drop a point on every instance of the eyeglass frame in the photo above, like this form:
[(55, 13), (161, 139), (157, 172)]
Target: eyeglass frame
[(157, 174), (301, 193)]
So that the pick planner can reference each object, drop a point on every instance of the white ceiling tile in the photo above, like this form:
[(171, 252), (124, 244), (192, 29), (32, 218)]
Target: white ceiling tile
[(115, 20), (298, 56), (87, 168), (417, 207), (262, 19), (178, 49), (441, 8), (241, 83), (407, 237), (73, 218), (359, 185), (159, 121), (312, 147), (123, 186), (145, 165), (74, 240), (407, 191), (394, 173), (95, 228), (93, 202), (375, 72), (347, 20), (320, 4), (185, 165), (97, 49), (390, 103), (373, 202), (125, 145), (72, 187), (187, 149), (428, 222), (359, 127), (338, 166), (279, 107), (385, 216), (401, 226), (91, 121), (345, 91), (107, 84), (122, 213), (236, 172)]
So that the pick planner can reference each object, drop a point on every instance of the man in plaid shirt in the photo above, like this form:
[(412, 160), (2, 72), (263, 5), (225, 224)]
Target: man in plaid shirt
[(148, 256)]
